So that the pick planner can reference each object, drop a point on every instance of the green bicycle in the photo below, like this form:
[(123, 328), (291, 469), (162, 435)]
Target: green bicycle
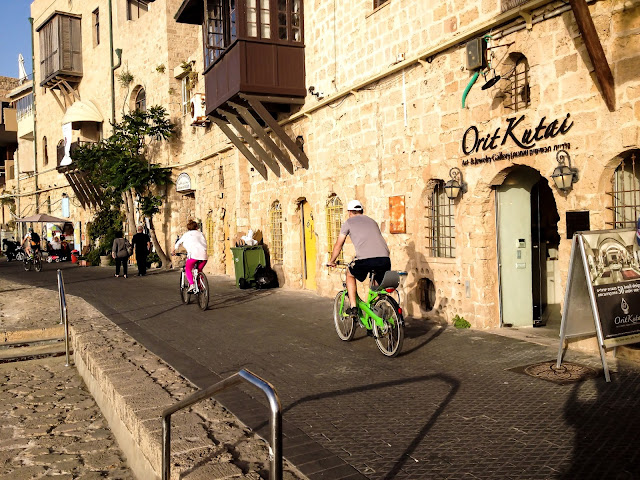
[(380, 315)]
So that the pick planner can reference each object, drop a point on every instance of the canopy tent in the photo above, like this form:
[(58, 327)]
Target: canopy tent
[(42, 218)]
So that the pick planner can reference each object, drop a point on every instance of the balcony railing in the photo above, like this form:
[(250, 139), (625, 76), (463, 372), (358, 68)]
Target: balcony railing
[(74, 145)]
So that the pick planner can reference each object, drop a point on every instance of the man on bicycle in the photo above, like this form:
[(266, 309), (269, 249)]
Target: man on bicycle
[(31, 242), (372, 252)]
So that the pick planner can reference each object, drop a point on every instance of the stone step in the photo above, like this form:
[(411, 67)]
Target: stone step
[(13, 337), (32, 350)]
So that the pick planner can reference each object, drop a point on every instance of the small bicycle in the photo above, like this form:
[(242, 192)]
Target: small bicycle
[(32, 260), (380, 315), (200, 286)]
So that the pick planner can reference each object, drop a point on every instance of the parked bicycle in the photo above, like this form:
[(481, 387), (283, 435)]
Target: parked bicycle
[(33, 260), (380, 314), (200, 286)]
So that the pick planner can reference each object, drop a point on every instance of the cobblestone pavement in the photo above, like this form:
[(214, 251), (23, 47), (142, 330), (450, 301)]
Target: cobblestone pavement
[(449, 407), (51, 426)]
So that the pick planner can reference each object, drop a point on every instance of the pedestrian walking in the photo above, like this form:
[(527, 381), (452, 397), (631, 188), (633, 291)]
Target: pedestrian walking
[(142, 245), (120, 253)]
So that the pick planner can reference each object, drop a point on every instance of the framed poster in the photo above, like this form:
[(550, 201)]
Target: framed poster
[(397, 222), (602, 296)]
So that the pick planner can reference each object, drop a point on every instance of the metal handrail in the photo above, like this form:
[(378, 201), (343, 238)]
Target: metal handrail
[(275, 421), (64, 318)]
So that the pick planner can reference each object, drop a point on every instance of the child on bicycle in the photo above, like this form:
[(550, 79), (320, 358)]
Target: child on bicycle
[(196, 245), (372, 252)]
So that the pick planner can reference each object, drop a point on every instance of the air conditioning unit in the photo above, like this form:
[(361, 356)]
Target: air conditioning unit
[(197, 108)]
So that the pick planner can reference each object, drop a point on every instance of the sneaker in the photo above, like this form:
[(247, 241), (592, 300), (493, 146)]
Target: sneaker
[(191, 289), (124, 276), (353, 312), (117, 275)]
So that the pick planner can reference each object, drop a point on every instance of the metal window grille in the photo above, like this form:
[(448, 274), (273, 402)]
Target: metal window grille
[(518, 93), (441, 241), (210, 225), (221, 177), (45, 151), (625, 194), (334, 222), (275, 222)]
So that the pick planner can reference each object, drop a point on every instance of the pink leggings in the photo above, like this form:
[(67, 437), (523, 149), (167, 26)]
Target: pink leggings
[(189, 268)]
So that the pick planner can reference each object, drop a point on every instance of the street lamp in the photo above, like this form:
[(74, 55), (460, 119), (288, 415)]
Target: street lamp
[(564, 176), (454, 186)]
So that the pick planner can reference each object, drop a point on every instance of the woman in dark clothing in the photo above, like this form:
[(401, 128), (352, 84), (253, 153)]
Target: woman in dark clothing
[(120, 254)]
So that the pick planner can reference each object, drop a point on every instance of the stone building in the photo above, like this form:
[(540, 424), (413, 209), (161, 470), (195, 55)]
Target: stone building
[(292, 108), (8, 147)]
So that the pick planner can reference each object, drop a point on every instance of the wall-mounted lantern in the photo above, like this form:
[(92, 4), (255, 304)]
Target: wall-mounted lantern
[(454, 186), (564, 176)]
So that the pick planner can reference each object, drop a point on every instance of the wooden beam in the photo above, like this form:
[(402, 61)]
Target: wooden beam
[(241, 146), (595, 50), (264, 136), (276, 129), (253, 143)]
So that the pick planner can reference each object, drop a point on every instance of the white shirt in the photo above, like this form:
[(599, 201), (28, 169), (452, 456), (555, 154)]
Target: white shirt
[(195, 244)]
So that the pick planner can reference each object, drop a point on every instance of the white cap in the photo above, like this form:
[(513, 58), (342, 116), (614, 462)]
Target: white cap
[(354, 205)]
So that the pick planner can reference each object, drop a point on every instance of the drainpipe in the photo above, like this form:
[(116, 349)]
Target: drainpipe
[(113, 67), (35, 121)]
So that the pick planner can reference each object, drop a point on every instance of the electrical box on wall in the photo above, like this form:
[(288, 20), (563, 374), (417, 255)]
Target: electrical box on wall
[(476, 54)]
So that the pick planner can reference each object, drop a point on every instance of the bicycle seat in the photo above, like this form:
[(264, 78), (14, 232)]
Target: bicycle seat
[(391, 280)]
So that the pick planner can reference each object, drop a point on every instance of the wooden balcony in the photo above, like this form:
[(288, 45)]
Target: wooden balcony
[(256, 68), (60, 43)]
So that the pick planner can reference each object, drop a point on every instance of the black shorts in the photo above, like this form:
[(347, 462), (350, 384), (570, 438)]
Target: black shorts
[(361, 268)]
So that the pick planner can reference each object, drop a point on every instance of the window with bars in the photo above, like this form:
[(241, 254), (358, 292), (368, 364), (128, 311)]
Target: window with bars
[(210, 226), (220, 28), (625, 192), (441, 241), (334, 222), (275, 224), (136, 8), (518, 95)]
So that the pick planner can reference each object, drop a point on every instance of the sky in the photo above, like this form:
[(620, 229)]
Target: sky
[(15, 36)]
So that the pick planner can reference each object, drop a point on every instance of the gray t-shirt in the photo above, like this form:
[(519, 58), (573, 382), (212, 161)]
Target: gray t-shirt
[(366, 237)]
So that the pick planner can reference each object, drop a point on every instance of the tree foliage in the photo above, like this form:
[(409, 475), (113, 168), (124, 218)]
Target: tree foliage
[(119, 164)]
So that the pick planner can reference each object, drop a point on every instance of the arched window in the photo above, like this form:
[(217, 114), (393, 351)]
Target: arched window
[(625, 192), (45, 152), (334, 222), (275, 227), (441, 240), (518, 91), (140, 103)]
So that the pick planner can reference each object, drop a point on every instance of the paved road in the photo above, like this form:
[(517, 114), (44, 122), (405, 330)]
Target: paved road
[(449, 407)]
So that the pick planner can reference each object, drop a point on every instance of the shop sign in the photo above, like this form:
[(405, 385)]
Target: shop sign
[(183, 183), (603, 289), (524, 139)]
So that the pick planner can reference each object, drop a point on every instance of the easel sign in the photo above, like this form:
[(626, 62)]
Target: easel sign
[(602, 297)]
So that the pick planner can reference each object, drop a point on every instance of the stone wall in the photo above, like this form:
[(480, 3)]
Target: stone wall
[(7, 84)]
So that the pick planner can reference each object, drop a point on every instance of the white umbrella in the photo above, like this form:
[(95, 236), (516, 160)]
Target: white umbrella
[(22, 73)]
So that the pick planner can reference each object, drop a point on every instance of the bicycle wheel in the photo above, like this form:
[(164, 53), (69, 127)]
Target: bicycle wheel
[(388, 339), (203, 293), (345, 326), (37, 263), (184, 294), (20, 256), (27, 263)]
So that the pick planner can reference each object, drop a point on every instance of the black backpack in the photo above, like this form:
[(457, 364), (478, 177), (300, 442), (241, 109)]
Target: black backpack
[(35, 238), (265, 277)]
